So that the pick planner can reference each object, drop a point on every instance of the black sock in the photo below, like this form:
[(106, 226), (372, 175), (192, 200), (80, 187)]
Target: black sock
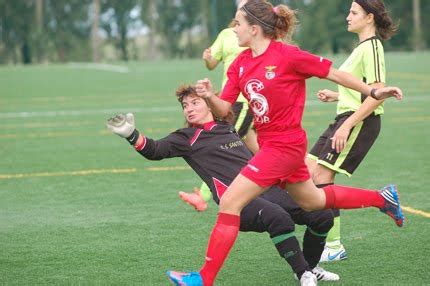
[(336, 212), (313, 247), (289, 249)]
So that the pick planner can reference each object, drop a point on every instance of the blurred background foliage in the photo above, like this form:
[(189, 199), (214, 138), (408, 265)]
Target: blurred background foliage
[(40, 31)]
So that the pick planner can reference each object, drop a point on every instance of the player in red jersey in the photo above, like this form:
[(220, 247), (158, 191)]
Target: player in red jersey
[(272, 75), (216, 153)]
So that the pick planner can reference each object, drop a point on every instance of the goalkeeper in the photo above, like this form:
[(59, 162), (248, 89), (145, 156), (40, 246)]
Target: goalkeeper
[(216, 153), (224, 50)]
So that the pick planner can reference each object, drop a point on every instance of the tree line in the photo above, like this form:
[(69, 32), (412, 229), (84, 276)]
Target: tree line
[(35, 31)]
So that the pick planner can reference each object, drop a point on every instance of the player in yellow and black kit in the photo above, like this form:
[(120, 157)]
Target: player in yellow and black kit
[(345, 143)]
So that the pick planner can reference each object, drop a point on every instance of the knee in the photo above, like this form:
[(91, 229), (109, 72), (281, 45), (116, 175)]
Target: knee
[(311, 201), (321, 221), (309, 205), (311, 164), (322, 175), (277, 221), (225, 201), (228, 204)]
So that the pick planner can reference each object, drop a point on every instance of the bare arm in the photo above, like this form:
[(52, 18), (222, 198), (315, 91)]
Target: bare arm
[(365, 109), (210, 61), (218, 106), (340, 137), (349, 81)]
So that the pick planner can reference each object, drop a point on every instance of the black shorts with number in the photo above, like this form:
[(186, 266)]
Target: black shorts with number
[(243, 118), (360, 140)]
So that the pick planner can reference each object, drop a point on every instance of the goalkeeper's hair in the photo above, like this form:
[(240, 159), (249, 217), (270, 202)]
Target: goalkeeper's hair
[(188, 90)]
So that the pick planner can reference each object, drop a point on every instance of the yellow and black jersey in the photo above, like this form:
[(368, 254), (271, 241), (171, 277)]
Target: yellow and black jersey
[(366, 63)]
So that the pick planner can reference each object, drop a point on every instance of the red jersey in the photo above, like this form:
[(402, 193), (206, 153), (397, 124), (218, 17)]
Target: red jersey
[(274, 85)]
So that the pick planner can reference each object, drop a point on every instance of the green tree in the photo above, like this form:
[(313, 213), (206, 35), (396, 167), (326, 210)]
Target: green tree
[(69, 29), (322, 25), (221, 12), (175, 17), (95, 40), (170, 26), (149, 17), (16, 30), (118, 22), (425, 21), (38, 37), (406, 37)]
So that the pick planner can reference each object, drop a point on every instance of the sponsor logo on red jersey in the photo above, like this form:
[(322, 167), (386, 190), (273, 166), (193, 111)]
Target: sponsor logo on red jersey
[(257, 101)]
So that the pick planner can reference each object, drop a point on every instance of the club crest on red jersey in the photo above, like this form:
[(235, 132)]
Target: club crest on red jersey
[(270, 72)]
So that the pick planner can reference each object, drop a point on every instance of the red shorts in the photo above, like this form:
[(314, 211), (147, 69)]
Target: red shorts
[(281, 160)]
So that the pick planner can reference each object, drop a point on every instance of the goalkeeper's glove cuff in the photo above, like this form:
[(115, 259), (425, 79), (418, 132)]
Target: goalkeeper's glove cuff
[(132, 139)]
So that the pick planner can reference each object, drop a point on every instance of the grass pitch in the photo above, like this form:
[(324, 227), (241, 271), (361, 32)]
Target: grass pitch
[(79, 206)]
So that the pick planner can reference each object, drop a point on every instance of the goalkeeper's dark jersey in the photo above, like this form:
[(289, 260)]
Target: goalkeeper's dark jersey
[(214, 151)]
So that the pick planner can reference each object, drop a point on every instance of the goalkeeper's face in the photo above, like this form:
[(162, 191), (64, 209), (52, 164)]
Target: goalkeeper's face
[(196, 110)]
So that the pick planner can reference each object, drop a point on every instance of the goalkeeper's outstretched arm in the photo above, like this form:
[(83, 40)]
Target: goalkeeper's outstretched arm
[(176, 144)]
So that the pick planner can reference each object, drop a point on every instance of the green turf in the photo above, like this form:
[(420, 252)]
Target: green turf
[(129, 228)]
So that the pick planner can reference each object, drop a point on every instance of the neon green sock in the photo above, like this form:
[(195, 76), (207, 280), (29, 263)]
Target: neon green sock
[(205, 192), (333, 237)]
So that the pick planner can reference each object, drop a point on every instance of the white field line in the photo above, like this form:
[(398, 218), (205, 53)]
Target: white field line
[(90, 172), (55, 113), (100, 67)]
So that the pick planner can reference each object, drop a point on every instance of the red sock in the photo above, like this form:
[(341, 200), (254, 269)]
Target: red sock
[(221, 241), (341, 197)]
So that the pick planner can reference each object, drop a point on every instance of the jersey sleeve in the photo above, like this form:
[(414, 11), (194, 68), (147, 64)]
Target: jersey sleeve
[(373, 65), (217, 46), (176, 144), (231, 89), (310, 65)]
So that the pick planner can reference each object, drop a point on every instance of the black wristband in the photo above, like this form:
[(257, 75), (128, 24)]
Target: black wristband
[(132, 139), (372, 94)]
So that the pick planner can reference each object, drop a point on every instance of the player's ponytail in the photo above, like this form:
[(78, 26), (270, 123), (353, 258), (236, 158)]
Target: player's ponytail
[(276, 22), (285, 22)]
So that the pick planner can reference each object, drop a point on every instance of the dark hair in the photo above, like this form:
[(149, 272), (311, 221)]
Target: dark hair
[(383, 22), (185, 90), (232, 23), (276, 22), (188, 90)]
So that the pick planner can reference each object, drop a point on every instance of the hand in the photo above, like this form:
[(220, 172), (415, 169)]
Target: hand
[(121, 124), (386, 92), (207, 54), (340, 137), (204, 88), (326, 95)]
